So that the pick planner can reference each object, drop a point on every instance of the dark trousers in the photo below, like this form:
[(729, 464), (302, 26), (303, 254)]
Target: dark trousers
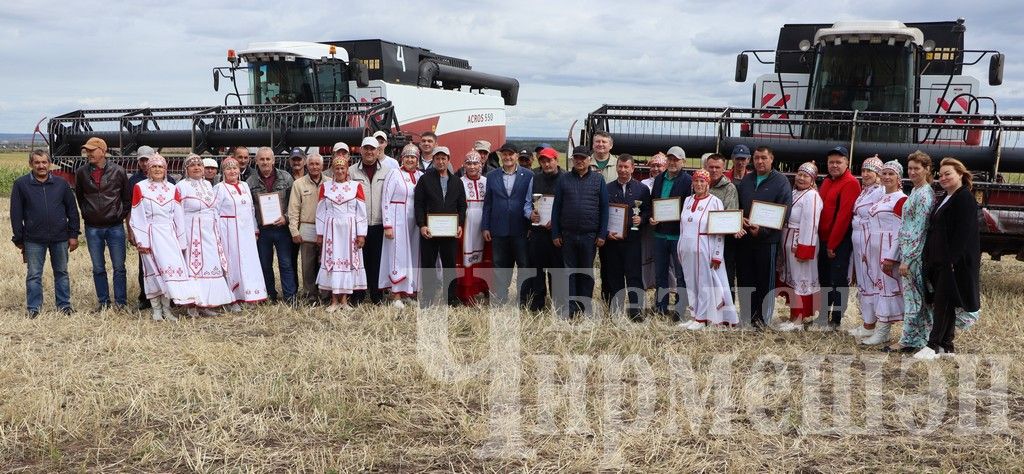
[(756, 269), (509, 252), (278, 239), (143, 301), (944, 305), (833, 275), (730, 263), (445, 248), (544, 257), (371, 260), (664, 255), (578, 251), (622, 273)]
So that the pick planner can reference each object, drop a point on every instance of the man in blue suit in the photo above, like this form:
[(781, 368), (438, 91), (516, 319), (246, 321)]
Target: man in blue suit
[(673, 183), (507, 208)]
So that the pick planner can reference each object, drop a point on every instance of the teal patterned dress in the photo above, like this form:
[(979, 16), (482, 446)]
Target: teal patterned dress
[(917, 316)]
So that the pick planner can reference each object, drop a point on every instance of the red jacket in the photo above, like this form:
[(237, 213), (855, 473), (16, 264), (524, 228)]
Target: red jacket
[(837, 196)]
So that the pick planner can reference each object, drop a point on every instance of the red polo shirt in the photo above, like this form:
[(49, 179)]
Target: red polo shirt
[(837, 196)]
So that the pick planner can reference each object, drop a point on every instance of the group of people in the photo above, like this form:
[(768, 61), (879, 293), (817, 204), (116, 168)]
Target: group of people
[(417, 228)]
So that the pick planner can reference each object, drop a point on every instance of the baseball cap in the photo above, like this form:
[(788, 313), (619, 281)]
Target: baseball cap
[(209, 163), (541, 146), (676, 152), (440, 149), (381, 135), (508, 147), (340, 146), (370, 142), (94, 143), (839, 150), (740, 151), (298, 153), (581, 151), (144, 152), (482, 145), (548, 153), (524, 154)]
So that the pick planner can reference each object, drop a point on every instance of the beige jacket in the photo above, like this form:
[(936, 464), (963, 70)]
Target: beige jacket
[(302, 203), (609, 172), (372, 191)]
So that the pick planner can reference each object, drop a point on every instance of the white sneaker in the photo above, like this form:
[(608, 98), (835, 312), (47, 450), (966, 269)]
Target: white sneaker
[(158, 313), (881, 335), (926, 353), (398, 304), (169, 316), (235, 308), (786, 327), (695, 326), (860, 332), (946, 355)]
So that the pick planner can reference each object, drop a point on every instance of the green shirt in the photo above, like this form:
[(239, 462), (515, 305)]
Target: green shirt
[(666, 190), (759, 179)]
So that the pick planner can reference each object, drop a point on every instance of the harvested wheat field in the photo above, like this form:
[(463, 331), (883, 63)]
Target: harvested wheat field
[(379, 389)]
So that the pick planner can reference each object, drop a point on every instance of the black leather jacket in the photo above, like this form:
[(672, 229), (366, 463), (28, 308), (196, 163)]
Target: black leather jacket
[(107, 204)]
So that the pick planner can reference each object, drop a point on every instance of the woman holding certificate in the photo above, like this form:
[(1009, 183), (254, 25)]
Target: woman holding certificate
[(399, 262), (205, 252), (341, 226), (156, 220), (700, 253), (233, 203), (870, 192), (884, 305), (798, 264)]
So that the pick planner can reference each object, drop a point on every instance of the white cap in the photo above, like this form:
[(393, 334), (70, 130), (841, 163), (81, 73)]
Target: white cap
[(209, 163), (380, 134), (676, 152), (370, 142), (440, 149), (340, 146), (145, 152)]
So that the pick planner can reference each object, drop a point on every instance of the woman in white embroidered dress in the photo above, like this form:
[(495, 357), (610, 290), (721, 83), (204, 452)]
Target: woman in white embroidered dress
[(399, 267), (204, 252), (798, 261), (870, 191), (233, 202), (701, 256), (885, 305), (341, 229), (472, 286), (156, 221)]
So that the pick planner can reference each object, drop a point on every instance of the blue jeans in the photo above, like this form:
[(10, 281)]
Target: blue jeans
[(578, 251), (35, 253), (271, 238), (509, 252), (99, 239), (665, 254)]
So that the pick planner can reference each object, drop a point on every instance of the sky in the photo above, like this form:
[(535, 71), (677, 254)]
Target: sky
[(570, 57)]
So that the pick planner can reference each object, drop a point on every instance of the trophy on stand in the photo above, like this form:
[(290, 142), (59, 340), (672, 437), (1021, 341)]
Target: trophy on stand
[(636, 212), (536, 200)]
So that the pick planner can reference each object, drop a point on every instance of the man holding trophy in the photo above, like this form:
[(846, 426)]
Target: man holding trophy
[(621, 273)]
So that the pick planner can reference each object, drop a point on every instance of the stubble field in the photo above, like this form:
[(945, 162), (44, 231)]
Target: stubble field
[(379, 389)]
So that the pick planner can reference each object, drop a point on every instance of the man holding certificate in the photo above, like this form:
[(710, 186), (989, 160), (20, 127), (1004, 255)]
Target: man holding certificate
[(543, 255), (765, 197), (440, 204), (621, 254), (579, 226), (271, 190), (668, 192)]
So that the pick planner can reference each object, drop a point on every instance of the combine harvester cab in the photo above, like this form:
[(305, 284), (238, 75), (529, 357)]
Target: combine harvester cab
[(883, 88), (307, 95)]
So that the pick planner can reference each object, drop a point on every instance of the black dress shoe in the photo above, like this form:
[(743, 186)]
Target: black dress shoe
[(67, 311), (33, 313)]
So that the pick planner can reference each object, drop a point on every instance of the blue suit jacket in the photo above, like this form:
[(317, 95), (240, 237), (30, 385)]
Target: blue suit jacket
[(505, 215)]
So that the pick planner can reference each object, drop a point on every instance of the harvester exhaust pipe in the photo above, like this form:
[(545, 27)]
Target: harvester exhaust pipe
[(431, 71)]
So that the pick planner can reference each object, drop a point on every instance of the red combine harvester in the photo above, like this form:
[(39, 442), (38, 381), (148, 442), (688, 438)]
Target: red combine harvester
[(876, 87), (308, 95)]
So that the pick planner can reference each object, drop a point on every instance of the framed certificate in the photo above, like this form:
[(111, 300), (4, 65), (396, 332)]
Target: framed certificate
[(725, 222), (270, 207), (617, 219), (667, 209), (443, 225), (767, 214), (544, 206)]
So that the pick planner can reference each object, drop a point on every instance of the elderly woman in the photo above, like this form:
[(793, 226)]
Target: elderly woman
[(234, 206), (798, 262), (157, 223), (885, 305), (204, 254), (400, 259), (917, 316), (952, 260), (476, 260), (701, 256), (863, 266), (341, 229)]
